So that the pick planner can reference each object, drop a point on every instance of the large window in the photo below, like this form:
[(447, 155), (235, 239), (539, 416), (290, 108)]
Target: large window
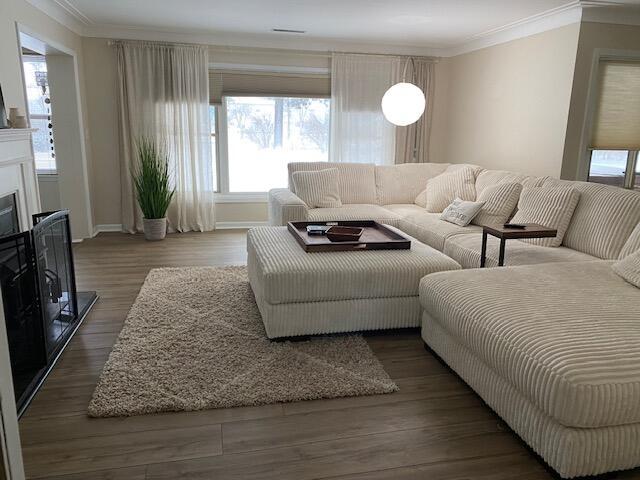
[(265, 133), (614, 139), (37, 85)]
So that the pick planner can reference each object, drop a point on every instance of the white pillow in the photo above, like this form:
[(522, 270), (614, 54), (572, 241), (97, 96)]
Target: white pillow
[(549, 207), (629, 268), (461, 212), (445, 188), (499, 203), (318, 189)]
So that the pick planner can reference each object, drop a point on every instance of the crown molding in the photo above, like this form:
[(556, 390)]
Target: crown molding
[(604, 11), (62, 12), (541, 22)]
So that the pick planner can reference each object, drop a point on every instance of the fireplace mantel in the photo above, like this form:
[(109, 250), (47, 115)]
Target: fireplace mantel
[(18, 172)]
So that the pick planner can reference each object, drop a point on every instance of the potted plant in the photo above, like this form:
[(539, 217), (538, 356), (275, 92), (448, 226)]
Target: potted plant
[(153, 187)]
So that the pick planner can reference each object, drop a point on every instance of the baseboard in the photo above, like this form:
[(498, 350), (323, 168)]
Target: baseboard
[(239, 225), (107, 227)]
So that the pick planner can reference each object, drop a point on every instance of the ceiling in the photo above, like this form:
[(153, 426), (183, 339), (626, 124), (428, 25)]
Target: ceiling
[(436, 24)]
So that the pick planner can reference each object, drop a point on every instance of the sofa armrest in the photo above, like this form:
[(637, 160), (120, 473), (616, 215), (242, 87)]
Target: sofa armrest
[(285, 206)]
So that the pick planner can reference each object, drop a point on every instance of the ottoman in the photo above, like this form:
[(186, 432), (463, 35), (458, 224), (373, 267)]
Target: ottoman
[(300, 293)]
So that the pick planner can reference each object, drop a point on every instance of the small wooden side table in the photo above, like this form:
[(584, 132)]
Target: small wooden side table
[(532, 230)]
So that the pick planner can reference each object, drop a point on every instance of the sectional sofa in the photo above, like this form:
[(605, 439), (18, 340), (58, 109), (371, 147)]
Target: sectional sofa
[(551, 341)]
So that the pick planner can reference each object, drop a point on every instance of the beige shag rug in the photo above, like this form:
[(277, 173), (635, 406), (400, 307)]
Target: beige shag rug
[(194, 340)]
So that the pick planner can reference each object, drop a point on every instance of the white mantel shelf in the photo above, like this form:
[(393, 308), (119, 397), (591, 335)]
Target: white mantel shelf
[(7, 134)]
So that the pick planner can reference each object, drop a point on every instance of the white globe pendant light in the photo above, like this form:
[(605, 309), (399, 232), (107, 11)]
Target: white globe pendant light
[(404, 103)]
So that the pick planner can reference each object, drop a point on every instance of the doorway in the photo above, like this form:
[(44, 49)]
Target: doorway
[(50, 74)]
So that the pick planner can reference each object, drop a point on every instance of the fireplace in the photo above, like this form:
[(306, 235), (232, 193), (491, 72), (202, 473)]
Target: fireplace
[(9, 215), (41, 305)]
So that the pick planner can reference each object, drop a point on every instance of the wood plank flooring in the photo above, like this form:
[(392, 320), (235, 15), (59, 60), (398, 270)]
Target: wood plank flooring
[(435, 427)]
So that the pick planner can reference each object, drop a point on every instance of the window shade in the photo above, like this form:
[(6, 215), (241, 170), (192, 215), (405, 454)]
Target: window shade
[(617, 120), (228, 82)]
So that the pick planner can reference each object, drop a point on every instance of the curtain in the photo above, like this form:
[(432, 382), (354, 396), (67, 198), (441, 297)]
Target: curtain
[(163, 93), (359, 131), (412, 141)]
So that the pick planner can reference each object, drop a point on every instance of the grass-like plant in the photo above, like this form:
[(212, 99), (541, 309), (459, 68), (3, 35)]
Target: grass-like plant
[(151, 179)]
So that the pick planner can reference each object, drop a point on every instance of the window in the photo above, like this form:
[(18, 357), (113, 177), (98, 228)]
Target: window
[(614, 140), (37, 85), (265, 133), (214, 146)]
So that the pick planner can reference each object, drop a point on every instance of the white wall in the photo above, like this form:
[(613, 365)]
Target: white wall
[(506, 106)]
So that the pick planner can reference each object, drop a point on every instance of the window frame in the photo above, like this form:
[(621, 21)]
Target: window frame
[(630, 173), (223, 195)]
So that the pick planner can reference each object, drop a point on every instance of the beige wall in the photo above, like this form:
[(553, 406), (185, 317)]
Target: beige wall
[(506, 106), (592, 36)]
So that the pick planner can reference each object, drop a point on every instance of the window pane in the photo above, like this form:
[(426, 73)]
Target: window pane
[(214, 146), (37, 85), (42, 146), (608, 166), (266, 133)]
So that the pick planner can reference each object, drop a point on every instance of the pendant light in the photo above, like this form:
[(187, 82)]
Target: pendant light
[(404, 102)]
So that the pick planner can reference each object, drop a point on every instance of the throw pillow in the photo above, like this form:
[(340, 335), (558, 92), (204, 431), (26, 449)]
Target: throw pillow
[(443, 189), (421, 199), (499, 203), (318, 189), (549, 207), (461, 212), (629, 268)]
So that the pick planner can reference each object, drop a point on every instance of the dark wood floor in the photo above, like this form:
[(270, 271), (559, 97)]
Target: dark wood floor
[(433, 428)]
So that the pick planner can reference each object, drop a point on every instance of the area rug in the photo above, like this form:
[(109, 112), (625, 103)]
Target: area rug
[(194, 340)]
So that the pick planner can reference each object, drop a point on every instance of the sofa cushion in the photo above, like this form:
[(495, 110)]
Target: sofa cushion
[(549, 207), (632, 244), (357, 182), (465, 249), (499, 203), (353, 212), (288, 274), (566, 335), (488, 178), (428, 228), (318, 189), (461, 212), (405, 209), (443, 189), (603, 220), (629, 268), (403, 183)]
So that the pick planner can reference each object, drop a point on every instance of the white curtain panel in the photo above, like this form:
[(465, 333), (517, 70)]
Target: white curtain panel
[(412, 141), (359, 131), (164, 94)]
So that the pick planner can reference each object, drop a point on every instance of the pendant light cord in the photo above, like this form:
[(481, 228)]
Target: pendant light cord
[(413, 70)]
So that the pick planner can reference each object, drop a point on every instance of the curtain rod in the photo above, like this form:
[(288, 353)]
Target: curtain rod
[(284, 51)]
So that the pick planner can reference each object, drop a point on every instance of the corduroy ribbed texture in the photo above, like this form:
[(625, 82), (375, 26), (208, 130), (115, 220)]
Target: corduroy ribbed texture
[(488, 178), (629, 269), (603, 220), (403, 183), (357, 181), (285, 206), (318, 189), (443, 189), (566, 336), (549, 207), (570, 451), (289, 274), (632, 244), (466, 250), (354, 212), (499, 203), (428, 228)]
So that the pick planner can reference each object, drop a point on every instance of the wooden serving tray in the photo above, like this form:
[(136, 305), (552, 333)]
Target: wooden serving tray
[(375, 236)]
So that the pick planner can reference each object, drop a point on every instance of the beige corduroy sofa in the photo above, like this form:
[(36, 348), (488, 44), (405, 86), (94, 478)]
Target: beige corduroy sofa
[(552, 342)]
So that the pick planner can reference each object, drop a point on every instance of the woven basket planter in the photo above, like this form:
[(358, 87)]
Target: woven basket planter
[(154, 228)]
